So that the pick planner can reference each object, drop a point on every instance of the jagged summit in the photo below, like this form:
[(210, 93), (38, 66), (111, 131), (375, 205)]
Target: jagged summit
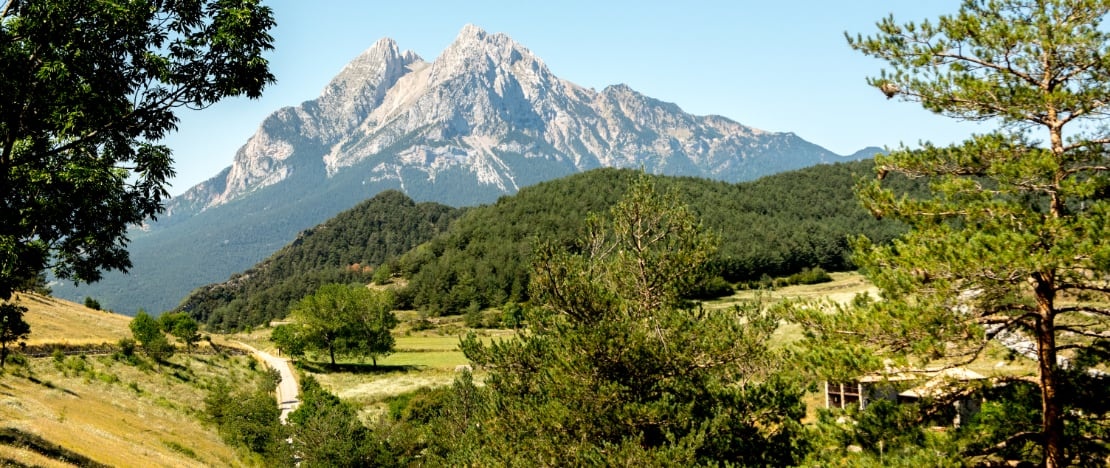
[(484, 118), (489, 110)]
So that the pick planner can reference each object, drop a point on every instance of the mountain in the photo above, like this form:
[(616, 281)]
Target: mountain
[(344, 249), (777, 225), (482, 120)]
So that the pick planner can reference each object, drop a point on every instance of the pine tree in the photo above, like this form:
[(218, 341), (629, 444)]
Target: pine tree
[(615, 368), (1013, 238)]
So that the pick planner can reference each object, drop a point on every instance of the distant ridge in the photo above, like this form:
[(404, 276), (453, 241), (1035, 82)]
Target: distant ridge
[(482, 120)]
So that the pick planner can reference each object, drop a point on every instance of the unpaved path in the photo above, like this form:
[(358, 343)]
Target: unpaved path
[(288, 392)]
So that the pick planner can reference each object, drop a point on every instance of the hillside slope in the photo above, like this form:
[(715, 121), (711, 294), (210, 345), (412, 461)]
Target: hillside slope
[(98, 410), (483, 119), (777, 225)]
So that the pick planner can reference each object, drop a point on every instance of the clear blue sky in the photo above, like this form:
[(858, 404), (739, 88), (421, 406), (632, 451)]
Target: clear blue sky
[(778, 66)]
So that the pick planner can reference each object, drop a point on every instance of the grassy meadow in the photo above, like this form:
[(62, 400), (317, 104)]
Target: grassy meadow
[(429, 358), (100, 410), (121, 414)]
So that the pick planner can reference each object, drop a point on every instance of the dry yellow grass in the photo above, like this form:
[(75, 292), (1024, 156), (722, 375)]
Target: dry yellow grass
[(55, 321), (842, 288), (108, 411)]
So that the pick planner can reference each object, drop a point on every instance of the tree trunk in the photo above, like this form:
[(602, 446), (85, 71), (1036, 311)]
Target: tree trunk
[(3, 352), (1052, 422), (331, 352)]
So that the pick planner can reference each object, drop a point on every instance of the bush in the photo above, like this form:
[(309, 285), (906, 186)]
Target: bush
[(158, 348), (813, 275), (92, 303), (127, 347), (711, 288)]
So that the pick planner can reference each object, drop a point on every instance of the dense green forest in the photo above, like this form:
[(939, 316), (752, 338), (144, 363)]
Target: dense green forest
[(456, 259), (341, 250), (777, 225)]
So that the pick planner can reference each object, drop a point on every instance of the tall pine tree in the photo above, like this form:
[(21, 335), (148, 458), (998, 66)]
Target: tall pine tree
[(1014, 239)]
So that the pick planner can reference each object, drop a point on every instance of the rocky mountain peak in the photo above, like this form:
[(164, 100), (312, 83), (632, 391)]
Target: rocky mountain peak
[(489, 110), (363, 82), (482, 120)]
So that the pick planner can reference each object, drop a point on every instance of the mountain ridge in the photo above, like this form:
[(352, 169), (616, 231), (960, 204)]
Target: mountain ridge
[(484, 103), (483, 119)]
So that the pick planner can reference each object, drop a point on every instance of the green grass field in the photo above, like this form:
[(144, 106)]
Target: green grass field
[(428, 358)]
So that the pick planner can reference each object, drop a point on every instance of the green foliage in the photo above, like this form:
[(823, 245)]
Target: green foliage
[(289, 340), (126, 350), (12, 327), (1013, 237), (160, 349), (814, 275), (144, 328), (148, 331), (88, 88), (617, 368), (248, 418), (35, 284), (326, 431), (92, 303), (347, 320), (777, 225), (181, 326), (512, 315), (344, 250)]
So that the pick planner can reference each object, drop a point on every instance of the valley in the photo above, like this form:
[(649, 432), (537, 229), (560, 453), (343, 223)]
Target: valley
[(468, 260)]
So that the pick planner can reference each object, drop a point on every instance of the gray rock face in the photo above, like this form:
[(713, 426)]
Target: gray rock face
[(489, 108), (483, 119)]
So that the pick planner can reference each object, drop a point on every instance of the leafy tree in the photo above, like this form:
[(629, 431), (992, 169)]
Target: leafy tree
[(348, 320), (1014, 238), (86, 91), (181, 326), (618, 369), (36, 284), (148, 332), (12, 327), (144, 328), (249, 418), (289, 340)]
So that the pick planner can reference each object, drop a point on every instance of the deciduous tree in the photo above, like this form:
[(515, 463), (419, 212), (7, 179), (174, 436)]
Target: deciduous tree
[(347, 320), (87, 89)]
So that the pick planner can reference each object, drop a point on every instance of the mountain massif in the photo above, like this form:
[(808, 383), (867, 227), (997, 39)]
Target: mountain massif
[(484, 119), (453, 260)]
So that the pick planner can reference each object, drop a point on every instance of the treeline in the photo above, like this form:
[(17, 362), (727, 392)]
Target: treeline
[(345, 249), (775, 226)]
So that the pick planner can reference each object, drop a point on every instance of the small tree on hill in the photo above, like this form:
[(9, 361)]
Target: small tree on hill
[(148, 332), (12, 327), (182, 326), (289, 340)]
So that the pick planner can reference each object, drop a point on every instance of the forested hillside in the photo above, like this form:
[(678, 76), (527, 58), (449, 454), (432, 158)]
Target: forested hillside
[(777, 225), (343, 249), (774, 226)]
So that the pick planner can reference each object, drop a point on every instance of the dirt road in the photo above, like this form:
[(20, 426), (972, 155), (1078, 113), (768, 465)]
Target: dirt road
[(288, 392)]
